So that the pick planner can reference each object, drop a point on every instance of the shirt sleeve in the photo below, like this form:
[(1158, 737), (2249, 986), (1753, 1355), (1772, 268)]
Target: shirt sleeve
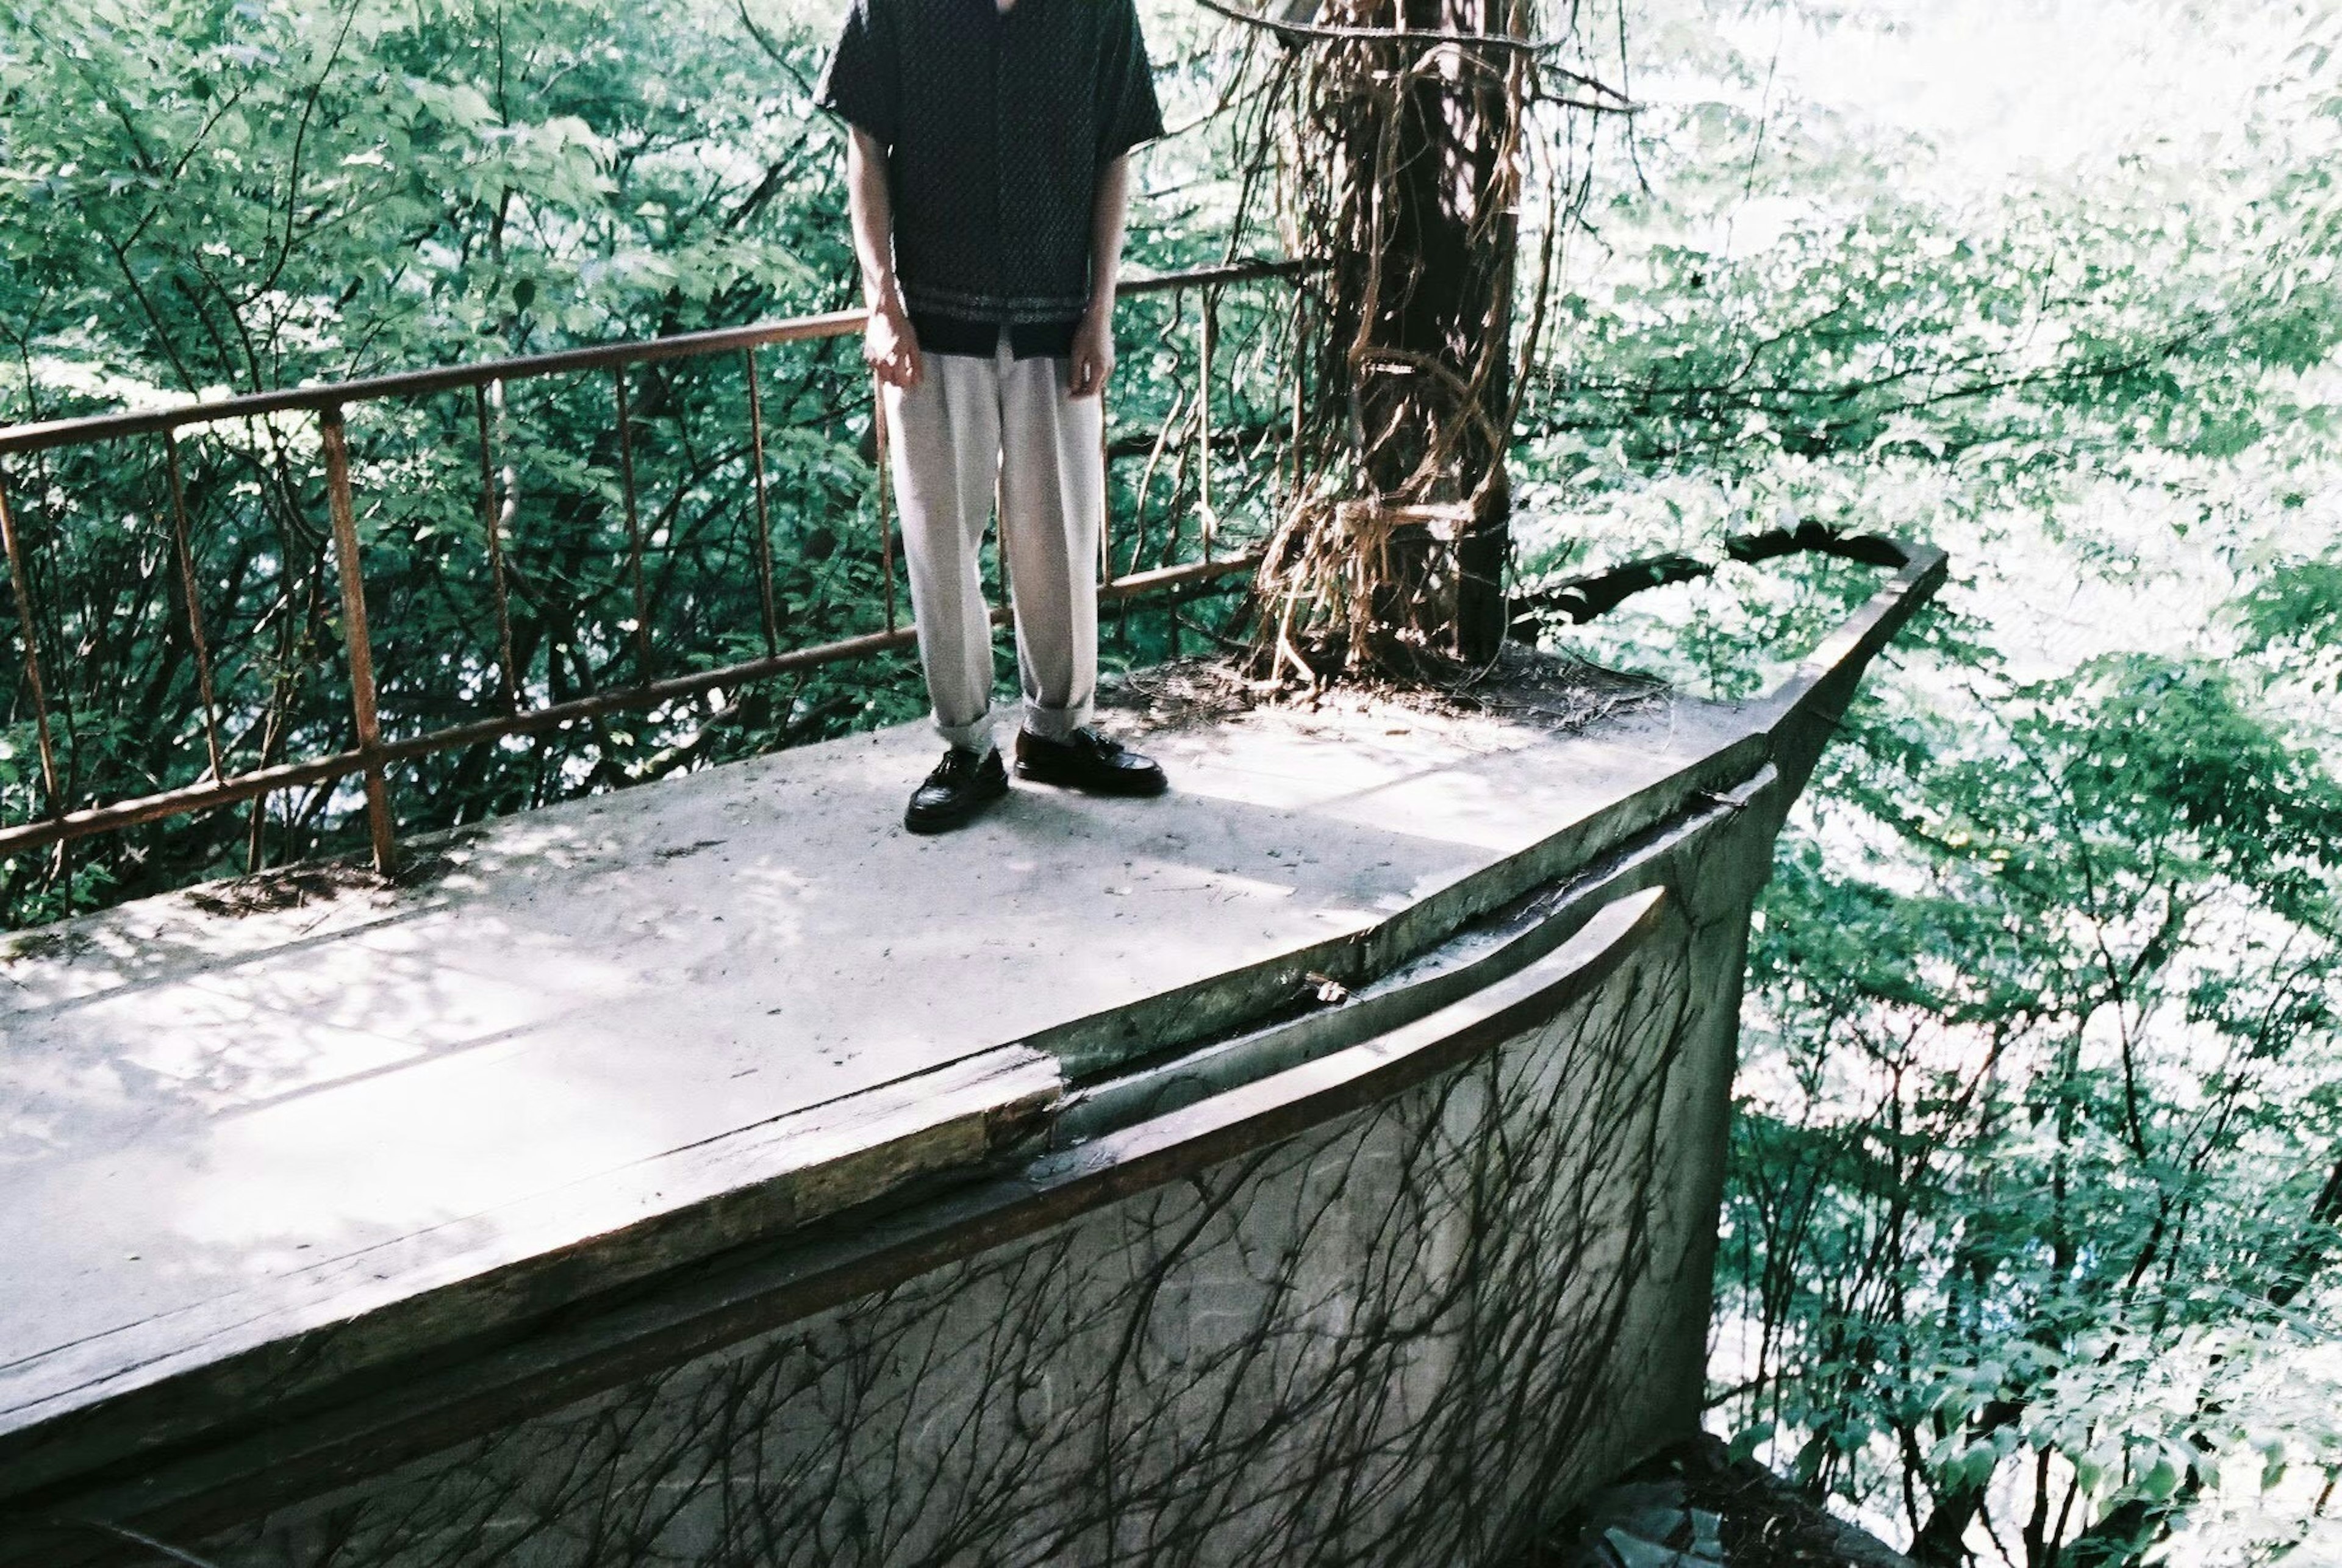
[(1128, 113), (862, 84)]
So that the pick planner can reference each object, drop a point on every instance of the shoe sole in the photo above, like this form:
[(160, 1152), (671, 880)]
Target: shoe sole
[(943, 821), (1159, 784)]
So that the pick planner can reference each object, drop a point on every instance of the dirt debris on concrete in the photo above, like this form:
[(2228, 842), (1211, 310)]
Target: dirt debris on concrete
[(1552, 691), (1693, 1505)]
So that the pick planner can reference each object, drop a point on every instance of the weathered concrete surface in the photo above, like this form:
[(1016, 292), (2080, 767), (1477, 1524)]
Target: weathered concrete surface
[(1394, 1298), (300, 1183)]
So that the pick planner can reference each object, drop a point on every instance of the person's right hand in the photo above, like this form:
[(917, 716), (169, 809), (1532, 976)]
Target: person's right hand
[(891, 349)]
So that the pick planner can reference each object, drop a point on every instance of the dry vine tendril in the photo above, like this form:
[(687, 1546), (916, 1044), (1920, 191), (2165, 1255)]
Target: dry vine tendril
[(1402, 135)]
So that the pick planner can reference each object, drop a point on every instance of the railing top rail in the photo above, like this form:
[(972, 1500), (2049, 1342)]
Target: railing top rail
[(22, 438)]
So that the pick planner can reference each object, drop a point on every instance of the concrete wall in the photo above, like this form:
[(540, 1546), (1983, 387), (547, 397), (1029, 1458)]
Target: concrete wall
[(1397, 1306)]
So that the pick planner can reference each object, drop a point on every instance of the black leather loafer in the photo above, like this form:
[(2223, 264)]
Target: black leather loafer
[(962, 784), (1086, 759)]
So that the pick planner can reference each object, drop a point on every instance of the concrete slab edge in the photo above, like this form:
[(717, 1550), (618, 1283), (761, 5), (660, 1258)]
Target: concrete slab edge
[(763, 1180), (296, 1456)]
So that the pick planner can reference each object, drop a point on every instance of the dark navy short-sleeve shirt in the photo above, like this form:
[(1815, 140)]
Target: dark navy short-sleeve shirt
[(995, 127)]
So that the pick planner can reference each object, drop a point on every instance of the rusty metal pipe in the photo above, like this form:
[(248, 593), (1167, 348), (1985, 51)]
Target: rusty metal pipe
[(764, 510), (354, 636), (26, 629), (634, 527), (535, 721), (195, 601), (601, 356)]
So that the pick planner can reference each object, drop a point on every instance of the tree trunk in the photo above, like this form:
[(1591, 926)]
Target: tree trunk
[(1404, 179), (1456, 227)]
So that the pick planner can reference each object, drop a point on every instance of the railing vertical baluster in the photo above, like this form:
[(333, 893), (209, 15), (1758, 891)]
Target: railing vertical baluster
[(634, 528), (188, 584), (354, 635), (255, 827), (764, 509), (1171, 533), (492, 528), (885, 498), (1209, 316), (1176, 519), (25, 630), (1295, 368)]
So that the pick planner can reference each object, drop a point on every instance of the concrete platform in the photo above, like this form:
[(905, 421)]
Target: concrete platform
[(258, 1144), (221, 1129)]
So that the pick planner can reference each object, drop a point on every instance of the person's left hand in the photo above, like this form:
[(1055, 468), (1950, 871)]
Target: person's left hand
[(1093, 359)]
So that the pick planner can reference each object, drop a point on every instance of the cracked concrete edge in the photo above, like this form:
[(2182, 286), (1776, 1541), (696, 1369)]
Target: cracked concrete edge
[(778, 1176), (1482, 954), (1805, 709), (1098, 1046), (1799, 717)]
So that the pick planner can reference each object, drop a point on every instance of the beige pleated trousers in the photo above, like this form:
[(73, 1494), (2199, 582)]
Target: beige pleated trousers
[(977, 430)]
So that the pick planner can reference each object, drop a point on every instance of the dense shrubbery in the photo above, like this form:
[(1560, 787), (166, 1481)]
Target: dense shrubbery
[(206, 198), (2032, 1232)]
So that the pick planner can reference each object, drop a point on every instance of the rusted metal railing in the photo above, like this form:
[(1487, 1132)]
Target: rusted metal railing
[(375, 755)]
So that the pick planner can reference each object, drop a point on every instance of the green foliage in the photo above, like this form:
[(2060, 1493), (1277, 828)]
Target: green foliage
[(2033, 1165), (205, 197), (2031, 1241), (245, 196), (2297, 606)]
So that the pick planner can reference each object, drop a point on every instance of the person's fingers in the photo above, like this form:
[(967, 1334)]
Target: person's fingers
[(898, 367), (914, 364)]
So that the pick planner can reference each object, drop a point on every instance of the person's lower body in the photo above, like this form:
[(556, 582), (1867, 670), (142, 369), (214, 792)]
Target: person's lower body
[(978, 433)]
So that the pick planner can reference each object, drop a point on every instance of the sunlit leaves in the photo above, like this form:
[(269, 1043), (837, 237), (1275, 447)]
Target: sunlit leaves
[(2041, 1073)]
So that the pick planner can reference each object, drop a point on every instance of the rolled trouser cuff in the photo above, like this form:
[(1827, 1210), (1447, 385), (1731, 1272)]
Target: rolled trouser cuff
[(975, 735), (1054, 724)]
